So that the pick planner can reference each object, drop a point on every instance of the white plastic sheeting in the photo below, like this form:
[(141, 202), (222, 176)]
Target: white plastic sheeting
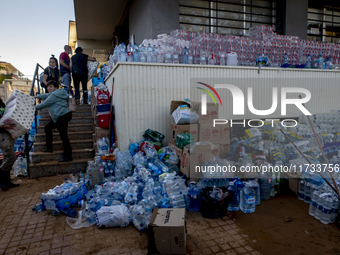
[(143, 92)]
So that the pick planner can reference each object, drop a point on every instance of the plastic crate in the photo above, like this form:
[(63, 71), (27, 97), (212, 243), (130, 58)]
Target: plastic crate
[(97, 80)]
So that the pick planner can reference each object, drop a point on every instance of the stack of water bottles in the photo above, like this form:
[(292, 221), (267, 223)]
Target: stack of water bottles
[(184, 47), (324, 202)]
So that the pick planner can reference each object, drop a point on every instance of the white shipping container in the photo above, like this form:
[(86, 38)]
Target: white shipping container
[(143, 92)]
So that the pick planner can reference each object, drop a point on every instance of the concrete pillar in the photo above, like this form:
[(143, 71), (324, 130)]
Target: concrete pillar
[(148, 18), (296, 18)]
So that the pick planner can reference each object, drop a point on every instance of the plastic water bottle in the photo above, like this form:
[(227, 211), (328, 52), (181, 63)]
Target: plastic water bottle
[(235, 203), (190, 58), (256, 188), (307, 197), (335, 209), (142, 53), (285, 59), (309, 61), (175, 57), (194, 194), (185, 55), (222, 56), (328, 63), (327, 210), (319, 62), (135, 53), (301, 192), (129, 54), (319, 207), (168, 56), (149, 54), (160, 57), (154, 54), (202, 57), (247, 199), (313, 204), (122, 53)]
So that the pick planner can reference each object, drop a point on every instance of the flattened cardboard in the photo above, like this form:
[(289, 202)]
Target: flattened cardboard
[(166, 231), (209, 133)]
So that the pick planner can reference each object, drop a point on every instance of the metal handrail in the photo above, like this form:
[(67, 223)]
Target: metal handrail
[(36, 78)]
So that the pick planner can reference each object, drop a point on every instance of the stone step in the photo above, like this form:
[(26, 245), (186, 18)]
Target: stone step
[(71, 128), (57, 145), (85, 135), (37, 157), (82, 107), (54, 167), (74, 114), (75, 120)]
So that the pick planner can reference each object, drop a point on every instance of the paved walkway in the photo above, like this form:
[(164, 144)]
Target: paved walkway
[(23, 231)]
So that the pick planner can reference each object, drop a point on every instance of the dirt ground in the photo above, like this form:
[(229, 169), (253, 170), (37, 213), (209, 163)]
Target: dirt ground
[(263, 232)]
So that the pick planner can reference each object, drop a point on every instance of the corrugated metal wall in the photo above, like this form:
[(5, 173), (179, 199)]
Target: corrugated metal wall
[(143, 92)]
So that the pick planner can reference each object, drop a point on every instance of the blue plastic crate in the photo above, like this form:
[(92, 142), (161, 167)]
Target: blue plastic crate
[(97, 80)]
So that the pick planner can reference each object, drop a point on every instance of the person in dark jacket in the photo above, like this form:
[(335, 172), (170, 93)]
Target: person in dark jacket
[(51, 73), (80, 72), (9, 157), (56, 101)]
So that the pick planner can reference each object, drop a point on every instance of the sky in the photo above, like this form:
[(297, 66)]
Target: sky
[(32, 30)]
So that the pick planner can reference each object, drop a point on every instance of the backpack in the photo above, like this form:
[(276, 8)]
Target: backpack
[(42, 77)]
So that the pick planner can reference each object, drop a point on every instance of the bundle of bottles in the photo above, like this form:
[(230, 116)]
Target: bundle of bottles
[(262, 48)]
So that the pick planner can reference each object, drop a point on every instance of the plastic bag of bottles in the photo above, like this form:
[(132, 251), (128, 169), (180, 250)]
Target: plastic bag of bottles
[(152, 135), (113, 216), (184, 139), (103, 146)]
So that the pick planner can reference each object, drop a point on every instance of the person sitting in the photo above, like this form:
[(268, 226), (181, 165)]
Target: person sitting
[(51, 73), (57, 102)]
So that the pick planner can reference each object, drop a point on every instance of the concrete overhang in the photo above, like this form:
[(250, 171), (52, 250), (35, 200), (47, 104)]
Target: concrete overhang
[(96, 20)]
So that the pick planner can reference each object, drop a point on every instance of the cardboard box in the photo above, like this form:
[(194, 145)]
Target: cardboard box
[(224, 150), (212, 112), (179, 151), (180, 116), (101, 132), (177, 129), (195, 158), (208, 133), (167, 231), (225, 132)]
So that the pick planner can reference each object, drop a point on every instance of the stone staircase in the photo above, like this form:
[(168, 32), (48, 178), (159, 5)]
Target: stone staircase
[(80, 133)]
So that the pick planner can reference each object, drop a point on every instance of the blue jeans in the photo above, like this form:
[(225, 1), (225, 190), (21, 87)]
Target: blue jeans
[(66, 80)]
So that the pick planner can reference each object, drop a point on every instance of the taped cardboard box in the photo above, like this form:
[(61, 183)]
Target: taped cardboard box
[(212, 112), (178, 129), (191, 161), (167, 231), (225, 131), (209, 133)]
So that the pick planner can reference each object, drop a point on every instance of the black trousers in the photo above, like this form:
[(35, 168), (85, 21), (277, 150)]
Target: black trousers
[(76, 81), (62, 126)]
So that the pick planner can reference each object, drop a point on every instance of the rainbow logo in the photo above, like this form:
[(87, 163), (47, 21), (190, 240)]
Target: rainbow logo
[(209, 93)]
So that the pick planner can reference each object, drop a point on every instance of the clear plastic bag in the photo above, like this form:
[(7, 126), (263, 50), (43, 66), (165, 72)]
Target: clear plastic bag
[(113, 216)]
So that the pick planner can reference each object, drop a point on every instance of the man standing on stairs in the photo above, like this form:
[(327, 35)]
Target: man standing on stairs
[(56, 101), (80, 73), (6, 145), (65, 69)]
